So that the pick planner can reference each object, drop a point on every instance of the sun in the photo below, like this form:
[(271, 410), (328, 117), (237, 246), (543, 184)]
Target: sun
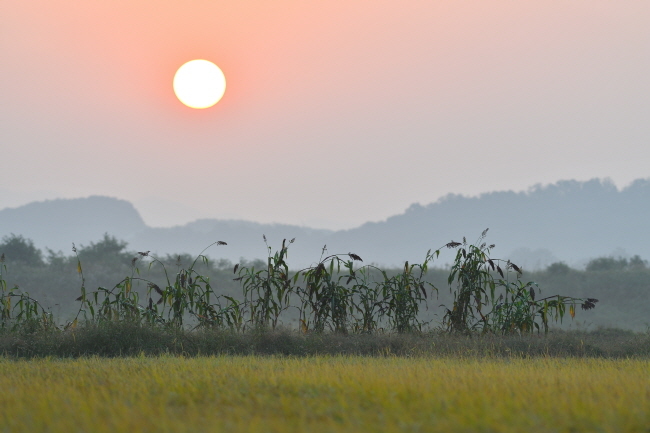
[(199, 84)]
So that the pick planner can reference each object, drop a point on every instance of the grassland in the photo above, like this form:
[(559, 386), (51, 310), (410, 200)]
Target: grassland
[(324, 394)]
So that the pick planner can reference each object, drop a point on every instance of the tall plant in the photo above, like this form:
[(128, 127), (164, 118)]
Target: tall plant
[(187, 296), (405, 293), (368, 297), (267, 291), (18, 310), (325, 301), (474, 281)]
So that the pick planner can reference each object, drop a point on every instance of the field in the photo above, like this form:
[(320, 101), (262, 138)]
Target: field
[(324, 394), (339, 346)]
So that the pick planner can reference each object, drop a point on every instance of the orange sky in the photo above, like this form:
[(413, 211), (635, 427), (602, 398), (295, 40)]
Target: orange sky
[(336, 113)]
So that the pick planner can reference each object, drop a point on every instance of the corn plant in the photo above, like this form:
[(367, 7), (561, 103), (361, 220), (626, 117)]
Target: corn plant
[(517, 310), (325, 302), (476, 306), (26, 313), (404, 294), (332, 295), (267, 291), (120, 303), (369, 304), (189, 295)]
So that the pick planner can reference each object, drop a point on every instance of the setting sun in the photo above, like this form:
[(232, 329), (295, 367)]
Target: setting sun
[(199, 84)]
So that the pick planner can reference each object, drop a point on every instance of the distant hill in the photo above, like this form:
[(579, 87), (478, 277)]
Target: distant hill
[(569, 220), (58, 223)]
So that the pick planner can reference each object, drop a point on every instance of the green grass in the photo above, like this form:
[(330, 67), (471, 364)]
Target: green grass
[(325, 394)]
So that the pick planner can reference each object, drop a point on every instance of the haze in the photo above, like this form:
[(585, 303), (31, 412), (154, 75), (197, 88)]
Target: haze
[(336, 113)]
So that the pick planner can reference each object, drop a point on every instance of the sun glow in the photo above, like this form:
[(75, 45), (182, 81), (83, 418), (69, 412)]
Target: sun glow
[(199, 84)]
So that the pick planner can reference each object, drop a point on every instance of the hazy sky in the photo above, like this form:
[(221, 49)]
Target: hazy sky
[(336, 112)]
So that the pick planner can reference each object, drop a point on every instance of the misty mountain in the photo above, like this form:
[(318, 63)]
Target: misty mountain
[(56, 224), (570, 221)]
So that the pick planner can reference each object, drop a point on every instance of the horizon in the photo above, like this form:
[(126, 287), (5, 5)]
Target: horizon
[(186, 221), (570, 221)]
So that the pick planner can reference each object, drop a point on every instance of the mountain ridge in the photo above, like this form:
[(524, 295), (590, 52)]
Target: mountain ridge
[(569, 221)]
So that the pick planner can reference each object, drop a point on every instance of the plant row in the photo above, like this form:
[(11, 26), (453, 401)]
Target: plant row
[(338, 294)]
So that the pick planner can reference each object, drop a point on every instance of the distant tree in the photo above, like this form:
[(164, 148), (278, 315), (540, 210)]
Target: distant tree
[(559, 268), (637, 262), (107, 250), (223, 264), (17, 249), (607, 264), (56, 259)]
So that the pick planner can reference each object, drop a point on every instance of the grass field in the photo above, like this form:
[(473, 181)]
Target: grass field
[(324, 394)]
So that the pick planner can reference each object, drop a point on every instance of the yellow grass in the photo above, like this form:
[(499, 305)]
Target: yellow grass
[(324, 394)]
